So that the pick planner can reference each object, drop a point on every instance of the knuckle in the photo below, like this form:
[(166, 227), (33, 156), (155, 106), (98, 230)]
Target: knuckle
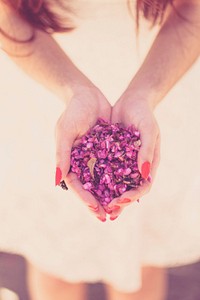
[(58, 153), (70, 180), (146, 149), (61, 160)]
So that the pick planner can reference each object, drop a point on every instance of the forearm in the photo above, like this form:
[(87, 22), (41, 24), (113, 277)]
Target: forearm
[(41, 58), (174, 50)]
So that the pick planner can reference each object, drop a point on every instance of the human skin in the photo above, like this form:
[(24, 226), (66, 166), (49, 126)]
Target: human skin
[(175, 49), (44, 61)]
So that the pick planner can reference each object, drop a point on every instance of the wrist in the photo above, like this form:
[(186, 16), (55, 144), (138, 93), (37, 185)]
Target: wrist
[(77, 87), (143, 94)]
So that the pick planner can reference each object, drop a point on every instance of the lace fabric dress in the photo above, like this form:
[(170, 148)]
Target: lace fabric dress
[(53, 228)]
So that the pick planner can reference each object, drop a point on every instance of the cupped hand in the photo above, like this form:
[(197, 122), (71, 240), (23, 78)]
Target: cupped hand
[(85, 106), (130, 110)]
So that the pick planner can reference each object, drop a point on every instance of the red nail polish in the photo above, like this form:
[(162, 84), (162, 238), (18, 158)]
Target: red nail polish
[(108, 210), (138, 200), (101, 219), (115, 207), (58, 176), (93, 208), (125, 200), (146, 169), (113, 218)]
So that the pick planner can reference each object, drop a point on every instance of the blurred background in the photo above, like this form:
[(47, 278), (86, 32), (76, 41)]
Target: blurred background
[(184, 282)]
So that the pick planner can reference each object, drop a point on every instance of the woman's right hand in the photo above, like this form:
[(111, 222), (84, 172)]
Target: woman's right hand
[(85, 105)]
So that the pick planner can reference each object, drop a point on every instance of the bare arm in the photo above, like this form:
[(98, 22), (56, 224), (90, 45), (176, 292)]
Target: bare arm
[(45, 62), (41, 58), (174, 50)]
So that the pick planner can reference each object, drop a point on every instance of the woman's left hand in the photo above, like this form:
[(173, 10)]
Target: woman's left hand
[(136, 111)]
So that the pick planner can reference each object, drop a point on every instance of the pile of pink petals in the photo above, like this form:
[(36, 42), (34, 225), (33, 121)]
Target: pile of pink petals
[(105, 160)]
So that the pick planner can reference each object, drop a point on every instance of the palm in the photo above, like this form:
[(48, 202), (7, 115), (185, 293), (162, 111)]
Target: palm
[(137, 112), (82, 113), (84, 110)]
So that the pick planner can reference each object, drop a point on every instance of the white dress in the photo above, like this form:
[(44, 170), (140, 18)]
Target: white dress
[(53, 228)]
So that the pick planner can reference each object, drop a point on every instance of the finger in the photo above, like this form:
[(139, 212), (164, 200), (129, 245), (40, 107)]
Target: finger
[(64, 142), (134, 195), (86, 197), (148, 136), (120, 202), (156, 158), (118, 207), (130, 196), (115, 213)]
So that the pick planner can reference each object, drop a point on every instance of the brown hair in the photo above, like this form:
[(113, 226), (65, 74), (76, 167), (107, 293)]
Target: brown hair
[(40, 14), (152, 10)]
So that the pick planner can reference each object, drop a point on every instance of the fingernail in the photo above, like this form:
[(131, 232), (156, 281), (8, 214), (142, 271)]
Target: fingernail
[(113, 218), (102, 219), (145, 169), (63, 185), (58, 176), (93, 208), (108, 210), (125, 200), (138, 200), (114, 207)]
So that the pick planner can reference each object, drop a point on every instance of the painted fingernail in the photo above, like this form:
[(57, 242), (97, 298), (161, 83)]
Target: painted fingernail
[(113, 218), (58, 176), (138, 200), (108, 210), (125, 200), (93, 208), (115, 207), (145, 169), (63, 185), (102, 219)]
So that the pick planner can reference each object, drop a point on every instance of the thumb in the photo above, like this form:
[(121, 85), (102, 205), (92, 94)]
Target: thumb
[(64, 142), (146, 152)]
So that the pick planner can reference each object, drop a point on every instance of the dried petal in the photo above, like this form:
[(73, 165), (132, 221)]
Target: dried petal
[(91, 163), (105, 161)]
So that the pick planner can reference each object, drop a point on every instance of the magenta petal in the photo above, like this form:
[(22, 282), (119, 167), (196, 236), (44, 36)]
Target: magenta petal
[(113, 150)]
